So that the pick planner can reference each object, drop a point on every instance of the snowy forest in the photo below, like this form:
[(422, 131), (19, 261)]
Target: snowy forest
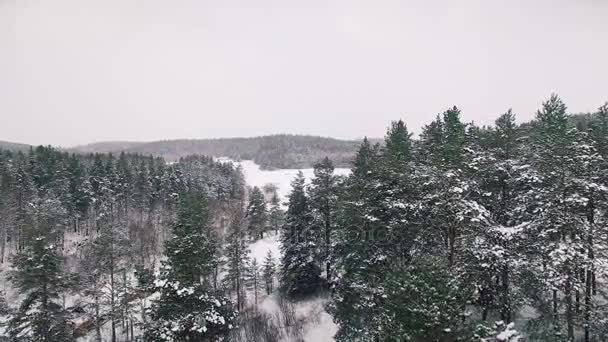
[(465, 233)]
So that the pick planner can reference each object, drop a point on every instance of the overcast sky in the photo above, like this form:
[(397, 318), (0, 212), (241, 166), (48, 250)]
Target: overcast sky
[(79, 71)]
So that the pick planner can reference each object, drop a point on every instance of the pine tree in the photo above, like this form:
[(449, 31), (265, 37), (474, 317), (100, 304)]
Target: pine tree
[(276, 214), (268, 272), (557, 255), (599, 131), (256, 214), (300, 273), (40, 276), (423, 303), (497, 170), (8, 203), (431, 142), (360, 261), (398, 145), (187, 309), (323, 198), (237, 258), (79, 191)]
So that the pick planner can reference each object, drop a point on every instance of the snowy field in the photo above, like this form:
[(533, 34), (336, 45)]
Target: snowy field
[(255, 176)]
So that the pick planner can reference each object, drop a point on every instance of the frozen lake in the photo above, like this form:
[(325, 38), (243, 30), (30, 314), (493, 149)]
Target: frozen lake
[(281, 178)]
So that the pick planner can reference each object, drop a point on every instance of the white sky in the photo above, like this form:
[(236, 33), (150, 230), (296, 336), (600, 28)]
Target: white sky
[(78, 71)]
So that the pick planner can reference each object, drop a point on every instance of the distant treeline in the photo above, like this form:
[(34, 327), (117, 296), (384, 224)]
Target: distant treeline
[(271, 152)]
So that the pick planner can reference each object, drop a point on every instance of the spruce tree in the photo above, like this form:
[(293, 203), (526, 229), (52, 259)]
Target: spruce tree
[(268, 272), (276, 214), (188, 309), (40, 276), (599, 131), (256, 214), (323, 198), (557, 253), (300, 272)]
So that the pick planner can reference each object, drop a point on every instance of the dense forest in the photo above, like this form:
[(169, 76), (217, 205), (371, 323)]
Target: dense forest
[(469, 231), (81, 238), (270, 152), (465, 234)]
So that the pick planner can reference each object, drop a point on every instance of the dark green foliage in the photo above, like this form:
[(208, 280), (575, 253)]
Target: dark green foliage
[(323, 194), (268, 272), (300, 271), (424, 303), (276, 214), (599, 130), (190, 250), (188, 310), (257, 215), (100, 215), (39, 275), (472, 226)]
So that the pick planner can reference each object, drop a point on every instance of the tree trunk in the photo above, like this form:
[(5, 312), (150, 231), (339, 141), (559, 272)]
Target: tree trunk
[(569, 306), (590, 274), (97, 319), (506, 300), (112, 305)]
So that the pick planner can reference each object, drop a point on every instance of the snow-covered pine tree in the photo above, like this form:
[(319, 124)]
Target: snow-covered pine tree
[(599, 131), (556, 233), (106, 253), (300, 271), (276, 214), (268, 272), (188, 309), (376, 232), (40, 276), (323, 193), (8, 203), (497, 169), (256, 214), (423, 302)]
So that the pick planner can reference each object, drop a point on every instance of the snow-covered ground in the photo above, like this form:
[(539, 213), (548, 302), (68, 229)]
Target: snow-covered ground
[(281, 178)]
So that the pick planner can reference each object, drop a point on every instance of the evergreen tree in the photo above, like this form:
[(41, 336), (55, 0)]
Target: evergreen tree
[(276, 215), (187, 309), (361, 260), (300, 273), (599, 131), (423, 303), (323, 198), (40, 276), (398, 145), (268, 272), (256, 214), (454, 138), (237, 258), (559, 254)]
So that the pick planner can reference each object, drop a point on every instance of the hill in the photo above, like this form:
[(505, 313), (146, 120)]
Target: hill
[(11, 146), (271, 152)]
